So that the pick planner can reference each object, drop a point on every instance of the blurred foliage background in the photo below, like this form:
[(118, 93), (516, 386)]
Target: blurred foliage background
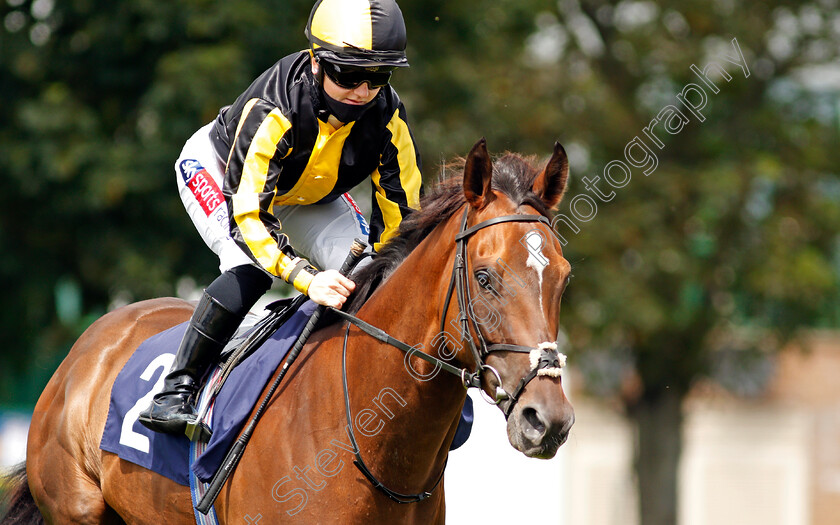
[(699, 269)]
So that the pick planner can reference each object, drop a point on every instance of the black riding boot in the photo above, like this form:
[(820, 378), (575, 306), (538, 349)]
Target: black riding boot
[(210, 328)]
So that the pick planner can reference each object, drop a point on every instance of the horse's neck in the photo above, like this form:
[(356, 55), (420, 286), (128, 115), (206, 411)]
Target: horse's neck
[(408, 307), (410, 301)]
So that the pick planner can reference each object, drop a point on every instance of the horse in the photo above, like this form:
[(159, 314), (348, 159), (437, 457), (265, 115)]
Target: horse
[(489, 226)]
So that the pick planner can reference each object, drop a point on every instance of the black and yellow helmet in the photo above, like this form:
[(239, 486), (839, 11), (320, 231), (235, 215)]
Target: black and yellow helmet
[(361, 33)]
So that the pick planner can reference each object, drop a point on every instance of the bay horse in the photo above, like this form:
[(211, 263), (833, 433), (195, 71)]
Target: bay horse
[(295, 468)]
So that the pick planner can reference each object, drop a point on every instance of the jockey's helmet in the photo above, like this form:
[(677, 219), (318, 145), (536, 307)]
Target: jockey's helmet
[(357, 33)]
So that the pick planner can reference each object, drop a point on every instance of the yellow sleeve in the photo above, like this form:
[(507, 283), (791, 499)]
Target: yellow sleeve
[(396, 183), (250, 187)]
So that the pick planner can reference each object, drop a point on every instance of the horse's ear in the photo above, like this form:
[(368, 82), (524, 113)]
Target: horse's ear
[(551, 183), (478, 172)]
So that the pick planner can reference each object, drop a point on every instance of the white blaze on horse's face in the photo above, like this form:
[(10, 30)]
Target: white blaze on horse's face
[(534, 241)]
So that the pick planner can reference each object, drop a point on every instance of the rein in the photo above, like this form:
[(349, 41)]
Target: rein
[(545, 360), (359, 462)]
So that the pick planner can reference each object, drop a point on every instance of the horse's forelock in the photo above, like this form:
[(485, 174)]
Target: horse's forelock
[(514, 176)]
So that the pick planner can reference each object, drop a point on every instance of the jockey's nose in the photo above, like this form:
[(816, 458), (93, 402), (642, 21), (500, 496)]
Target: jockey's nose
[(362, 90)]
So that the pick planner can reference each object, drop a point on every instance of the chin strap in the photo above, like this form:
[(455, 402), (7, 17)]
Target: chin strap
[(319, 77)]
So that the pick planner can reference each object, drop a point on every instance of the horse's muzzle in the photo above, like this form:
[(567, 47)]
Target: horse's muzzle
[(537, 430)]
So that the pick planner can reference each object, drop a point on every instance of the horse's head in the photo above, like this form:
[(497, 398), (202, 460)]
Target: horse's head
[(515, 276)]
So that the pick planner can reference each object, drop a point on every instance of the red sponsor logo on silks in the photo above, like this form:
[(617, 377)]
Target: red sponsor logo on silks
[(202, 185), (206, 191)]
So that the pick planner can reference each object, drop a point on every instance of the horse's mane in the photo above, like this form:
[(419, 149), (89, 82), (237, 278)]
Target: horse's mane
[(513, 175)]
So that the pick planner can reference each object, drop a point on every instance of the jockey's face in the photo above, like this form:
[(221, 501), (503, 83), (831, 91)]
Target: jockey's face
[(360, 95)]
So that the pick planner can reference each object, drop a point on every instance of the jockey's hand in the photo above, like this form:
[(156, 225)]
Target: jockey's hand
[(330, 288)]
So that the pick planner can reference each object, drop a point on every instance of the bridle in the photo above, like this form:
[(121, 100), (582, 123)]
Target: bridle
[(545, 359), (460, 283)]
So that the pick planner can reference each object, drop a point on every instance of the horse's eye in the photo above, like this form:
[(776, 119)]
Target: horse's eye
[(483, 278)]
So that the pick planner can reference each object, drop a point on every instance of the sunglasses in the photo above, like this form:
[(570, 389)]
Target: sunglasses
[(349, 77)]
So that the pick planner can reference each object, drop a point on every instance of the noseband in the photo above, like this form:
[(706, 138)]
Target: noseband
[(545, 359)]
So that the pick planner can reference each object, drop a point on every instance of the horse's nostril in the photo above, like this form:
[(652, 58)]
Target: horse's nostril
[(533, 419)]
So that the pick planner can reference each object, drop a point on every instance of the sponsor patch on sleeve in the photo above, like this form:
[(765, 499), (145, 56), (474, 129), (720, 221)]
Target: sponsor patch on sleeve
[(202, 185)]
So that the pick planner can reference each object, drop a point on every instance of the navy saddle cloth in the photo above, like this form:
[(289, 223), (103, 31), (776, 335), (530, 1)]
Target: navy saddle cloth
[(168, 455), (142, 376)]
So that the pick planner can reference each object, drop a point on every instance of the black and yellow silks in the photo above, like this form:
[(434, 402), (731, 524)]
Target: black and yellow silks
[(279, 152)]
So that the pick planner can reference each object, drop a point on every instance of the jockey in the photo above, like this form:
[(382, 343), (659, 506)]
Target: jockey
[(310, 128)]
